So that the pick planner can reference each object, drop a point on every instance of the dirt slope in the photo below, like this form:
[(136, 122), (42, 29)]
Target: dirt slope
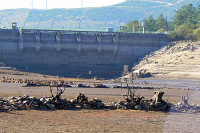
[(178, 60)]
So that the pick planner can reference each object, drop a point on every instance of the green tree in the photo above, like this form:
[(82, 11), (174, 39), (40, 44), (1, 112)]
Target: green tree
[(150, 24), (130, 25), (161, 22), (198, 15), (171, 26), (186, 15)]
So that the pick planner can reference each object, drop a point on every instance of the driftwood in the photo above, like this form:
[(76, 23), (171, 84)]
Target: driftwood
[(184, 106), (131, 100), (81, 100), (157, 103), (1, 108), (57, 98), (185, 100)]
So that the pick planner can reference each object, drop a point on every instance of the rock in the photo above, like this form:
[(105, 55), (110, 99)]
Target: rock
[(35, 102), (99, 104), (22, 107), (100, 86), (72, 100), (96, 100), (43, 99), (26, 96), (51, 106), (20, 98), (81, 85), (47, 101), (126, 104), (25, 102), (32, 98), (32, 107), (145, 106), (6, 107), (13, 107), (192, 57), (113, 107), (11, 101)]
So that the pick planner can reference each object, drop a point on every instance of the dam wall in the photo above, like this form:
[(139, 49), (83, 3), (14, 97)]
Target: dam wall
[(75, 53)]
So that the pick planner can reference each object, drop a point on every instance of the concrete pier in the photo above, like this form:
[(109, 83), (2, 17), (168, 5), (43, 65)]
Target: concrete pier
[(71, 53)]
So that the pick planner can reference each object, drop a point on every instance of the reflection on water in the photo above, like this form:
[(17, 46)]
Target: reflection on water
[(186, 122), (174, 84)]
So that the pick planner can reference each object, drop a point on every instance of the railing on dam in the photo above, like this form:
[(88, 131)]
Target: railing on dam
[(97, 30)]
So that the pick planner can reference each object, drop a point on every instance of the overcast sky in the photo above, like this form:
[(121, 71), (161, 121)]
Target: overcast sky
[(41, 4)]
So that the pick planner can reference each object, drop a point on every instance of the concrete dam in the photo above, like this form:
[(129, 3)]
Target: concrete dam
[(76, 53)]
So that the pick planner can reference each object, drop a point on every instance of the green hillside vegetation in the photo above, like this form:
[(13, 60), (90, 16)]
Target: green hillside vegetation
[(185, 25), (97, 18), (160, 24)]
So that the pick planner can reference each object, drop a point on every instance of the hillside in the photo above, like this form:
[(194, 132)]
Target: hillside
[(178, 60), (92, 18)]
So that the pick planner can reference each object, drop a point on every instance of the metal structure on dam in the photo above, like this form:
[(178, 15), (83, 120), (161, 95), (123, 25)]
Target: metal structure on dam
[(75, 53)]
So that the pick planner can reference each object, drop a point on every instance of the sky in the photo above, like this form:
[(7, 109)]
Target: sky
[(41, 4)]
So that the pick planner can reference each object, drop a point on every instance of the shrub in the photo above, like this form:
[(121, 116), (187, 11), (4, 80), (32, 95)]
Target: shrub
[(182, 31), (190, 36), (161, 30), (197, 34), (172, 35)]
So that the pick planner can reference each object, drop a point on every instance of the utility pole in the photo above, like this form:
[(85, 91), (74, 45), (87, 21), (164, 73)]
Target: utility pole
[(167, 24), (46, 4), (32, 4)]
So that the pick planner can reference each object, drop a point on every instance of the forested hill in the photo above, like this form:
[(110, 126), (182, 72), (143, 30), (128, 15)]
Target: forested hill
[(92, 18)]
